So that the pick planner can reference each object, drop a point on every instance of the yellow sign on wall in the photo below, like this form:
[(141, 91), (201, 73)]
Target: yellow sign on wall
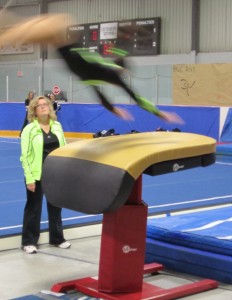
[(202, 84)]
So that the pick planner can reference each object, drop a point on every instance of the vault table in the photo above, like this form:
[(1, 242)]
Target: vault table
[(104, 175)]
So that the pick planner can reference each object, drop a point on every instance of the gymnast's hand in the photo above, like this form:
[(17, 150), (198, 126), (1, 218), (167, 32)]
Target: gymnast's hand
[(31, 187), (171, 117)]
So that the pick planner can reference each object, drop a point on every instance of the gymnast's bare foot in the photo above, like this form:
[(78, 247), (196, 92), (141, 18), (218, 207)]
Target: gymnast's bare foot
[(171, 117), (123, 114)]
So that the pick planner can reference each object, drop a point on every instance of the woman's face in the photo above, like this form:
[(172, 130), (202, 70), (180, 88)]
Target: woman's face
[(31, 96), (42, 108), (52, 97)]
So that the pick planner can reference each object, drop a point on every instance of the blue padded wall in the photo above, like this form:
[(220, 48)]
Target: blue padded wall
[(94, 117)]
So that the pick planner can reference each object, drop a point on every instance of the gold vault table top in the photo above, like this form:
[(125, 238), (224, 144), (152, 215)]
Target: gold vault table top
[(135, 152)]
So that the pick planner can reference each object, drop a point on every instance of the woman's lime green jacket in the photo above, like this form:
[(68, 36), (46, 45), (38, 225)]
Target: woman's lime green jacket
[(32, 148)]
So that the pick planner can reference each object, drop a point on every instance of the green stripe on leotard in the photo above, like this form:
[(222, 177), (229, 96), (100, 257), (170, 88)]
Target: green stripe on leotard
[(147, 105)]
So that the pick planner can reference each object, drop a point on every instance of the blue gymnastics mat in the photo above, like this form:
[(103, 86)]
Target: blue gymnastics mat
[(198, 243)]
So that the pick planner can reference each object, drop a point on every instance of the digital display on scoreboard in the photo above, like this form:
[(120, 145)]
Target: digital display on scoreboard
[(93, 33), (138, 37)]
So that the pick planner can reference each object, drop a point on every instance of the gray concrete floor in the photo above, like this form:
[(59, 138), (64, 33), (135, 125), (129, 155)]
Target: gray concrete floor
[(24, 274)]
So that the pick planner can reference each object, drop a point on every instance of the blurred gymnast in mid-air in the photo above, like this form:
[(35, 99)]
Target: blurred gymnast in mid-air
[(91, 69)]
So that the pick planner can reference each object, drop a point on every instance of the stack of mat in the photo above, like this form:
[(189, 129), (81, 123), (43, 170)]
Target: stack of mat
[(198, 243)]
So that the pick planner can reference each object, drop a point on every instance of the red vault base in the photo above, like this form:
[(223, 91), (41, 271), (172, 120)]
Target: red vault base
[(89, 286), (123, 250)]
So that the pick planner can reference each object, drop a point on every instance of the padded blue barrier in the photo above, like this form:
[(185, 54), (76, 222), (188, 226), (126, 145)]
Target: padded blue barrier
[(197, 243), (226, 135), (94, 117), (11, 116)]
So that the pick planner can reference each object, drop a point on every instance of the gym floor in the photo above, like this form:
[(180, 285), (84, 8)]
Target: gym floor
[(34, 274)]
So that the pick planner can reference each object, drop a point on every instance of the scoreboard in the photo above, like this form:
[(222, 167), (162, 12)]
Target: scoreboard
[(138, 37)]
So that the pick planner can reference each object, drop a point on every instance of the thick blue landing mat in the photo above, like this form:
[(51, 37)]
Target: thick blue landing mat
[(198, 243)]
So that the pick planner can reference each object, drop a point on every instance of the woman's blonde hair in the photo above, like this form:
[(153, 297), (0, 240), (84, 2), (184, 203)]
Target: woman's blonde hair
[(31, 116)]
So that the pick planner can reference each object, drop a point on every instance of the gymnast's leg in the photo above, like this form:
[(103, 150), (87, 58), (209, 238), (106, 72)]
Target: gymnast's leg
[(120, 112)]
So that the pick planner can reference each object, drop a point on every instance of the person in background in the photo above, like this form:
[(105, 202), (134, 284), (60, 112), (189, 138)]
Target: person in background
[(42, 135), (30, 96), (55, 104)]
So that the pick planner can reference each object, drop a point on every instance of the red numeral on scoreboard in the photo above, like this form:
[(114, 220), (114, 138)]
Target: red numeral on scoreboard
[(94, 35), (107, 49)]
